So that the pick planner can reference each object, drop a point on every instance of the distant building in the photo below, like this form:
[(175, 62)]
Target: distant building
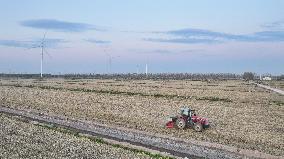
[(266, 78)]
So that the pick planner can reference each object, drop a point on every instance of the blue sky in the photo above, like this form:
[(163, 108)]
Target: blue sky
[(171, 36)]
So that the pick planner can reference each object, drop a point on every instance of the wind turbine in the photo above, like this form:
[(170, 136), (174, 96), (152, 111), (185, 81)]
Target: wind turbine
[(42, 45), (146, 69), (137, 69), (110, 59)]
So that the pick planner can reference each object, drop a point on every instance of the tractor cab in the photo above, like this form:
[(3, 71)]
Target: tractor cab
[(187, 112)]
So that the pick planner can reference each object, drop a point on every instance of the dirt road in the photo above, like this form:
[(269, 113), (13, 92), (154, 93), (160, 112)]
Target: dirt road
[(270, 88)]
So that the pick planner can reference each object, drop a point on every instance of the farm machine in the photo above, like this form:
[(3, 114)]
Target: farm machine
[(187, 118)]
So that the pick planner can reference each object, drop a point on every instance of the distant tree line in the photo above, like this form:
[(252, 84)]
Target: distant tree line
[(153, 76), (248, 76)]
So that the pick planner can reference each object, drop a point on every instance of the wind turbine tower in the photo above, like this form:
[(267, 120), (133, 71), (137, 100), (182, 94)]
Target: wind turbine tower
[(41, 61), (146, 69)]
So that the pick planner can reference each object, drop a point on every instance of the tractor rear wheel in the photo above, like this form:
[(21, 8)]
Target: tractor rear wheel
[(180, 123), (197, 127)]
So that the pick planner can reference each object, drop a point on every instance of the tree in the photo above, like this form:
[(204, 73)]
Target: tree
[(248, 76)]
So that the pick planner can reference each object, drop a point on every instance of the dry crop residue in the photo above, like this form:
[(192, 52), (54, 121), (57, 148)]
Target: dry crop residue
[(24, 140), (241, 114)]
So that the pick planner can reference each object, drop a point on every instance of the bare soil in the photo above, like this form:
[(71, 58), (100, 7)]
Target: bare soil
[(240, 114)]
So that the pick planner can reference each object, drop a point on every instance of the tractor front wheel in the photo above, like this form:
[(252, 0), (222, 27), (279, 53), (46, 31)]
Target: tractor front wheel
[(197, 127), (180, 123)]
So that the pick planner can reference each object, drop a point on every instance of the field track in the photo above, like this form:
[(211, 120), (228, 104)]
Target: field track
[(169, 145), (270, 88)]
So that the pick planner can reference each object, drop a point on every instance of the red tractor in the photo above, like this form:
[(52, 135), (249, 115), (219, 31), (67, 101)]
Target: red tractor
[(188, 118)]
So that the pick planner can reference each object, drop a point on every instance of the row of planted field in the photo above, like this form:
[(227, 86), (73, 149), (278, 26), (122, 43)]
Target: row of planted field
[(240, 113)]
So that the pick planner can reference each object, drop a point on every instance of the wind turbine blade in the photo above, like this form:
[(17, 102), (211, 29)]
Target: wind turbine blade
[(45, 51), (113, 57), (44, 35), (32, 47), (108, 54)]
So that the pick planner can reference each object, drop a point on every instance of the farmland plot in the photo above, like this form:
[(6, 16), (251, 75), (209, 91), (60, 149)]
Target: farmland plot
[(240, 114), (25, 140)]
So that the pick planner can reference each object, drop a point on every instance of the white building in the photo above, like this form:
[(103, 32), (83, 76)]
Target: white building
[(266, 78)]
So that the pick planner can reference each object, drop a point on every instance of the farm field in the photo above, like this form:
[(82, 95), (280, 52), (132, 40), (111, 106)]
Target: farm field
[(20, 139), (240, 114)]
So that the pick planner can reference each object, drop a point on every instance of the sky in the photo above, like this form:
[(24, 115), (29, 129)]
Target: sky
[(111, 36)]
